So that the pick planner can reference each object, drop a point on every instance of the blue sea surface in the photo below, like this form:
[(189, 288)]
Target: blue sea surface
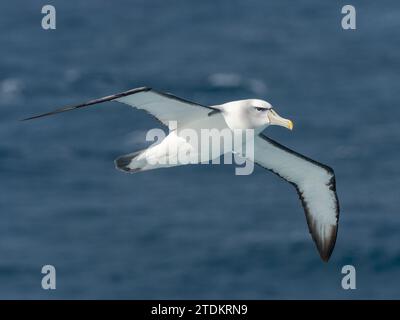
[(195, 231)]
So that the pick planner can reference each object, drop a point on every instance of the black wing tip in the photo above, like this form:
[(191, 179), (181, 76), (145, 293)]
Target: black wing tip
[(325, 245), (38, 116), (91, 102), (325, 252), (325, 257)]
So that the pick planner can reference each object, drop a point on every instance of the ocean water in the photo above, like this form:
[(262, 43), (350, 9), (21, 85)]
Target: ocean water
[(195, 231)]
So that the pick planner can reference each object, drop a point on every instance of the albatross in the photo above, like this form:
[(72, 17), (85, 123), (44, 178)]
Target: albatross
[(313, 181)]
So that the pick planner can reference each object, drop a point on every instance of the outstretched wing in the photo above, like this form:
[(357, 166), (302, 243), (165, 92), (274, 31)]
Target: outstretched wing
[(315, 184), (163, 106)]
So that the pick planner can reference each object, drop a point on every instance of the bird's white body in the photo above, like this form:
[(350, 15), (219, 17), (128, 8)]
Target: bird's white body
[(166, 153)]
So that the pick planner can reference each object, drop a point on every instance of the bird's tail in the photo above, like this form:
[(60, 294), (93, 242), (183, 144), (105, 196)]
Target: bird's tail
[(130, 162)]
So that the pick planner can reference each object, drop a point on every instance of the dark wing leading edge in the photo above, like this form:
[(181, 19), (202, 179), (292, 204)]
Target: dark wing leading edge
[(315, 184), (163, 106)]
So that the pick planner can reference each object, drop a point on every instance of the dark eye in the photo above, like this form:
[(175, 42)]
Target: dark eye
[(260, 109)]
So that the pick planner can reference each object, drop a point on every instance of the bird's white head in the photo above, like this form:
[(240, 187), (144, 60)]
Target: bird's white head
[(252, 114)]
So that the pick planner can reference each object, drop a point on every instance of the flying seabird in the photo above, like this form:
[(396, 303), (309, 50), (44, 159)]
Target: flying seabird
[(314, 181)]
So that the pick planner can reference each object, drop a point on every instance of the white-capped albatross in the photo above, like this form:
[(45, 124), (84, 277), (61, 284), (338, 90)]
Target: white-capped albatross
[(314, 182)]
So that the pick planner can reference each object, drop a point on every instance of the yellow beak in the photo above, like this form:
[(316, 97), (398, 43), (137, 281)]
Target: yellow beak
[(275, 119)]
